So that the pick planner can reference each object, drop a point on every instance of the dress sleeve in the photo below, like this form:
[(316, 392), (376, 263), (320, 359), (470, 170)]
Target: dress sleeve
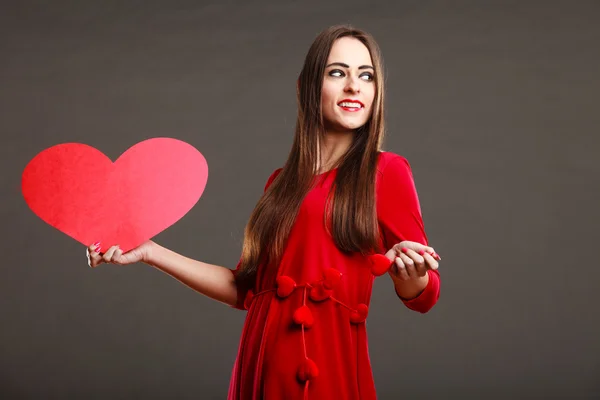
[(399, 217), (242, 294)]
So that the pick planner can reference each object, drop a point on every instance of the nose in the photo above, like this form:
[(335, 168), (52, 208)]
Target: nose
[(352, 84)]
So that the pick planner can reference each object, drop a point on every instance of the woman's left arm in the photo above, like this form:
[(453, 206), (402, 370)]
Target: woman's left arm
[(414, 264)]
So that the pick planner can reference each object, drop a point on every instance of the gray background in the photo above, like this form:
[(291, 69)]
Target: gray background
[(495, 104)]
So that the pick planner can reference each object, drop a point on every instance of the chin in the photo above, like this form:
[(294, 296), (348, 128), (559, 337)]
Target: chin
[(353, 126), (344, 125)]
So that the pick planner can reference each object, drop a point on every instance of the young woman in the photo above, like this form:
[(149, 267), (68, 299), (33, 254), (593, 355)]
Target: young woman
[(337, 214)]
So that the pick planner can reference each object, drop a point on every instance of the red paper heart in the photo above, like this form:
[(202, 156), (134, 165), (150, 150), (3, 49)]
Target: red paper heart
[(81, 192), (380, 264), (307, 370), (360, 314), (285, 286), (318, 292), (303, 316), (332, 278)]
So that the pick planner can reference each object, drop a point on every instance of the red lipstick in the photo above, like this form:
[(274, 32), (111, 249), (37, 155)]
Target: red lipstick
[(351, 109)]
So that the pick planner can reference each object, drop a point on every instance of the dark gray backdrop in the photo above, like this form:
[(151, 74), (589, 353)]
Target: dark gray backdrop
[(495, 104)]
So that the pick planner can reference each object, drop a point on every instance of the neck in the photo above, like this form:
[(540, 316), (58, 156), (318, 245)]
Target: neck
[(333, 146)]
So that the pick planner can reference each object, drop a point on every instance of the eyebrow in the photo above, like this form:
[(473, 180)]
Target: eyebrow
[(347, 66)]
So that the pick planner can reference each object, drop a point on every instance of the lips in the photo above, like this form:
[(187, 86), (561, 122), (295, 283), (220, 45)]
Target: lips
[(351, 104)]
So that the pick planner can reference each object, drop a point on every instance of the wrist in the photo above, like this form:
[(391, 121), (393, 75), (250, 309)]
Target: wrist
[(151, 253), (412, 288)]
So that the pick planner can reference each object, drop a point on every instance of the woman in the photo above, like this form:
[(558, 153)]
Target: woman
[(315, 240)]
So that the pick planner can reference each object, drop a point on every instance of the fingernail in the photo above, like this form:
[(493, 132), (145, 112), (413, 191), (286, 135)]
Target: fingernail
[(422, 252), (96, 244), (98, 249), (404, 249)]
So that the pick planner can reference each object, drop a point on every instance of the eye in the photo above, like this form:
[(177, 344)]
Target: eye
[(336, 72), (367, 76)]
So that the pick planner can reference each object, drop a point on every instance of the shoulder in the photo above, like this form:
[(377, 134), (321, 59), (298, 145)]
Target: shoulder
[(389, 162), (272, 177), (394, 178), (393, 172)]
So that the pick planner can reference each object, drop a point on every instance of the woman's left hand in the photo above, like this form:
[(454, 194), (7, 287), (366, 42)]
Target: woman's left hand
[(411, 260)]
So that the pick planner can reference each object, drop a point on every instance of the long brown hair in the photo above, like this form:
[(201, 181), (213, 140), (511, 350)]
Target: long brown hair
[(351, 209)]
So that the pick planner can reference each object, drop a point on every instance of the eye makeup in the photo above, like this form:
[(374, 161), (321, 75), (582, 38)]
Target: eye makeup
[(340, 73)]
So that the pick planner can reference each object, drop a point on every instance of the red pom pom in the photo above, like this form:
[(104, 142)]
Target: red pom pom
[(360, 314), (285, 286), (303, 316), (380, 264), (332, 278), (308, 370), (319, 293)]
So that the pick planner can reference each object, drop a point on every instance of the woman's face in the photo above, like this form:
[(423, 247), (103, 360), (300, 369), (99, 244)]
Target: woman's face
[(348, 86)]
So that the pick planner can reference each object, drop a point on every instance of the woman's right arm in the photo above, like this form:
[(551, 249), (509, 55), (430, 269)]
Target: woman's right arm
[(213, 281)]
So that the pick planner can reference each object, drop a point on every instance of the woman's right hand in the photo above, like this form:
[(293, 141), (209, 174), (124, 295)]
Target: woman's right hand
[(114, 255)]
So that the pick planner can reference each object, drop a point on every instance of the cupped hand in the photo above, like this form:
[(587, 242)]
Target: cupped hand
[(114, 255), (411, 260)]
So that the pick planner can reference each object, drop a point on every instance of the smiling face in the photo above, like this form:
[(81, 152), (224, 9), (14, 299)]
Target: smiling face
[(348, 86)]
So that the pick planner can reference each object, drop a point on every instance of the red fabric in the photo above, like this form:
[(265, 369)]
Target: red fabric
[(311, 343)]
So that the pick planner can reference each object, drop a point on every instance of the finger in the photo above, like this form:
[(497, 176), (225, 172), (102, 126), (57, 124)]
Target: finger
[(409, 264), (428, 249), (391, 254), (107, 257), (431, 262), (435, 255), (94, 259), (416, 265), (93, 255), (400, 269), (416, 246), (117, 257), (421, 266), (416, 257), (94, 248)]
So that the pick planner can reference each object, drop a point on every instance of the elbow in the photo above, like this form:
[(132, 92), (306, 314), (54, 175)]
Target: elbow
[(424, 309)]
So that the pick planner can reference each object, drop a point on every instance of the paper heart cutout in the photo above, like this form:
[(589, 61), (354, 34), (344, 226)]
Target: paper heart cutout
[(285, 286), (318, 292), (332, 278), (360, 314), (380, 264), (303, 316), (308, 370), (78, 190)]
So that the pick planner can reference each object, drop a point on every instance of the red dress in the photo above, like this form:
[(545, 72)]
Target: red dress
[(304, 336)]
